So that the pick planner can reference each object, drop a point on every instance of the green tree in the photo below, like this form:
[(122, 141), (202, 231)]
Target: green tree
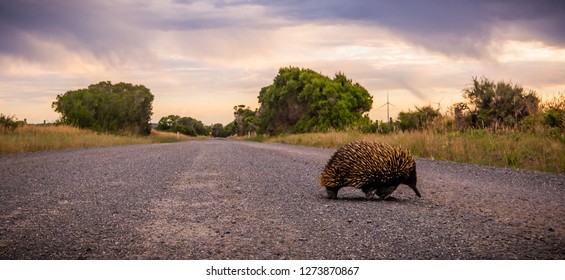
[(185, 125), (491, 104), (230, 129), (245, 120), (105, 107), (167, 123), (301, 100), (218, 130), (417, 120)]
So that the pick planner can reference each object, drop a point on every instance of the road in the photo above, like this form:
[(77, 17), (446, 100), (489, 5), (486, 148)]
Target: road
[(224, 199)]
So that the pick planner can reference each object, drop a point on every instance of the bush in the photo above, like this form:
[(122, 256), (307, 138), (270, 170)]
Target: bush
[(494, 105), (554, 113), (9, 123), (105, 107)]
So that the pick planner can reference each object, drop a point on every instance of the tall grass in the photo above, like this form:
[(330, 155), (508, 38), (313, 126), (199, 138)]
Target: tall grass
[(33, 138), (507, 149)]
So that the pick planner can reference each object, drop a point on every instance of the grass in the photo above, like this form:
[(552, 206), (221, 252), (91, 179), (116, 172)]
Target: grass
[(34, 138), (534, 151), (507, 149)]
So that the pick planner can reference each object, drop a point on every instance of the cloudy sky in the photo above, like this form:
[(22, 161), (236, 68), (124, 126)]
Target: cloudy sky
[(200, 58)]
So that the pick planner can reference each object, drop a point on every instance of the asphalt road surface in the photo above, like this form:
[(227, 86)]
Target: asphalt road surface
[(224, 199)]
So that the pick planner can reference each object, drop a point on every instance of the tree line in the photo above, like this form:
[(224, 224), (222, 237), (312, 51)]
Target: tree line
[(301, 100), (489, 105), (193, 127)]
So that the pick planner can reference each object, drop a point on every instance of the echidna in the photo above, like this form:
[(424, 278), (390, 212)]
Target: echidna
[(372, 167)]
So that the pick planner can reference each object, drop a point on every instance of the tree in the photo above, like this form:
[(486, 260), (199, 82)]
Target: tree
[(301, 100), (493, 104), (185, 125), (418, 120), (230, 129), (245, 120), (105, 107), (462, 117), (218, 130)]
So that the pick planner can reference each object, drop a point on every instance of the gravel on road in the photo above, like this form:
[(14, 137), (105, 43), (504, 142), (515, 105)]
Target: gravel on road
[(226, 199)]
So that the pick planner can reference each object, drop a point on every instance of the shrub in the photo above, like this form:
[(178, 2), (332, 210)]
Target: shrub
[(9, 123)]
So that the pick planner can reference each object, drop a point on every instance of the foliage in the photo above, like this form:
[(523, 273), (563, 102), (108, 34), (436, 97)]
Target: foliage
[(301, 100), (245, 120), (418, 120), (230, 129), (554, 115), (9, 123), (105, 107), (192, 127), (218, 130), (494, 105), (184, 125)]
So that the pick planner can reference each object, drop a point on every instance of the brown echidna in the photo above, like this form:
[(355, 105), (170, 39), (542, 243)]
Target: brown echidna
[(372, 167)]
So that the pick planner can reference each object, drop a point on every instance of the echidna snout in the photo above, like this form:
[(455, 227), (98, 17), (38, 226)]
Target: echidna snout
[(411, 182), (413, 187), (416, 190)]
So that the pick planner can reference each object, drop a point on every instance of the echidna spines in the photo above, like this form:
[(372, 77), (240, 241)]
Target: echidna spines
[(370, 166)]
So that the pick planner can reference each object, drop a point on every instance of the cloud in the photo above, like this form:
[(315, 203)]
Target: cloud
[(188, 51), (115, 31), (454, 28), (89, 28)]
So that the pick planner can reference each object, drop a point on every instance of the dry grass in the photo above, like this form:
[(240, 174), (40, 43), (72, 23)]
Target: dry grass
[(509, 149), (33, 138)]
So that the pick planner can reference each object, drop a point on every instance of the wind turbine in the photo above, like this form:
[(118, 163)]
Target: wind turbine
[(387, 108)]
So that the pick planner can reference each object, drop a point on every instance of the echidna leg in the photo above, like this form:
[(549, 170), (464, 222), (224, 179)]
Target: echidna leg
[(332, 192), (369, 192), (384, 193)]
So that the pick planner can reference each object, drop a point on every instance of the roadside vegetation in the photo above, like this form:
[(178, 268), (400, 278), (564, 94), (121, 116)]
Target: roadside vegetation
[(498, 124), (102, 114), (33, 138), (502, 149)]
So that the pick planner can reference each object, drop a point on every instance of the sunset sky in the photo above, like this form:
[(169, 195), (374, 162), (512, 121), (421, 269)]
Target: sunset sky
[(201, 58)]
